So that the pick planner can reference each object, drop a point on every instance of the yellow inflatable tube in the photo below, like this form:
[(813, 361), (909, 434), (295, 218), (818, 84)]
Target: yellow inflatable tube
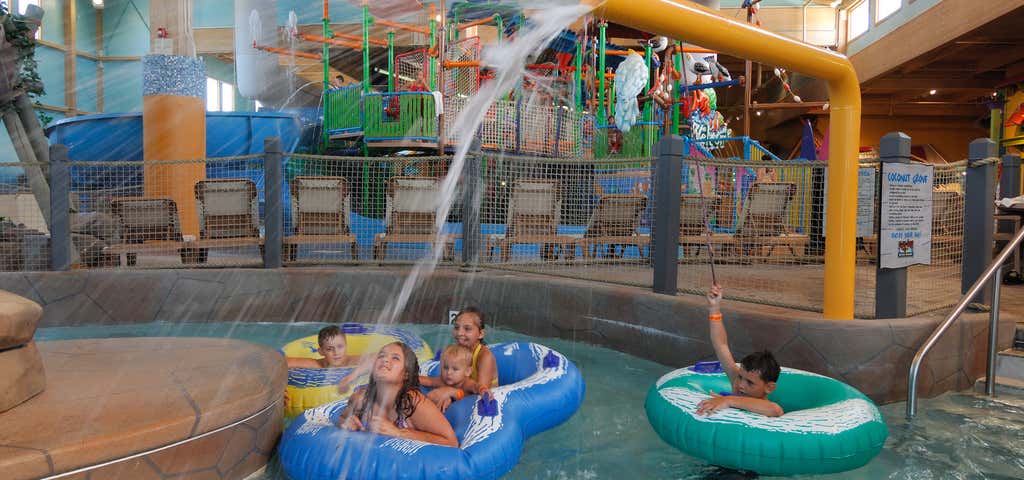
[(312, 387)]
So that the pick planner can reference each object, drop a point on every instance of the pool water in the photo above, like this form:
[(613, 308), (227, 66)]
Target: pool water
[(956, 436)]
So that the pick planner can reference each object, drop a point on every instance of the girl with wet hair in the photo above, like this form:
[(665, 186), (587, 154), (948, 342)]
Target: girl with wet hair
[(468, 330), (392, 403)]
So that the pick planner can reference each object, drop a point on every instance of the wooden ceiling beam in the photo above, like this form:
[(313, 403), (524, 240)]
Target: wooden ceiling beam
[(925, 84), (999, 59), (924, 110), (932, 57)]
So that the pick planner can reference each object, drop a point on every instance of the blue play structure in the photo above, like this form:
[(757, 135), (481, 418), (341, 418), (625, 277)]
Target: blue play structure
[(117, 137)]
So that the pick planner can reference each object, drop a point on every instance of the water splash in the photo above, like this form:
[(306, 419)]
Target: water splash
[(508, 60)]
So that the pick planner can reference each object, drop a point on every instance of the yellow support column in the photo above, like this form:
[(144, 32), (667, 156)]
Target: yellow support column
[(174, 128), (173, 111), (707, 28)]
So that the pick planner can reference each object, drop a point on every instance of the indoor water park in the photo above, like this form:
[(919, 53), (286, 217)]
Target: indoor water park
[(475, 239)]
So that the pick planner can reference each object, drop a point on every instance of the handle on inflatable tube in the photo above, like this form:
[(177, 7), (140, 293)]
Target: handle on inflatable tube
[(487, 406), (354, 328), (551, 360), (708, 367)]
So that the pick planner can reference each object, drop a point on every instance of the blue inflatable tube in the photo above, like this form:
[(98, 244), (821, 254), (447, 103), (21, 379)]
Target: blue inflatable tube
[(541, 389)]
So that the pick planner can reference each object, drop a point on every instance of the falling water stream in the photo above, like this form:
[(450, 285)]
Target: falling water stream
[(508, 60)]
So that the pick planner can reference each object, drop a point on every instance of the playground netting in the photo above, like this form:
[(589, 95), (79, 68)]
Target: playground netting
[(579, 218)]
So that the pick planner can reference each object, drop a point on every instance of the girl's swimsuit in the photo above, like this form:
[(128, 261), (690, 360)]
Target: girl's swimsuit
[(472, 366)]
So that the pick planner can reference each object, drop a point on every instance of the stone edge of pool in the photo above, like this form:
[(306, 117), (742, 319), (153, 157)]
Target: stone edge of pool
[(871, 355)]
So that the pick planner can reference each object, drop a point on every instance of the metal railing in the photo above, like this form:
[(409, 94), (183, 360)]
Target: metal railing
[(994, 273)]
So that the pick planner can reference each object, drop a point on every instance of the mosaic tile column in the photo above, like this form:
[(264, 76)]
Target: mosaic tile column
[(174, 128)]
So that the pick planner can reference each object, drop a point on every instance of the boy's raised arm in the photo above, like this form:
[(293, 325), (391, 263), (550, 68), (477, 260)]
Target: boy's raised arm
[(719, 339)]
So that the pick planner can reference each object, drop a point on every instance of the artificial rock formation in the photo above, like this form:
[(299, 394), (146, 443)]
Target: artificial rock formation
[(21, 367)]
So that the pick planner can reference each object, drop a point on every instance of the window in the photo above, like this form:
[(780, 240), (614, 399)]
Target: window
[(212, 95), (22, 6), (860, 19), (886, 8), (227, 97), (220, 96)]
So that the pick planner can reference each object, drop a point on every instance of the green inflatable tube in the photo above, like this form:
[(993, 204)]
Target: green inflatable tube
[(828, 426)]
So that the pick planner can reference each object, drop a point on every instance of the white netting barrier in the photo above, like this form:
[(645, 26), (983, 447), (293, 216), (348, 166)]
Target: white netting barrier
[(413, 69), (462, 80)]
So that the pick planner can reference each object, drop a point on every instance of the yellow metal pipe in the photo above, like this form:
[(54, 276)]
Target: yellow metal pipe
[(698, 25)]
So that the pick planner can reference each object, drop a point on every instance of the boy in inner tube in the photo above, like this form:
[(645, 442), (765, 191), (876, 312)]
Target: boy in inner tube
[(752, 379)]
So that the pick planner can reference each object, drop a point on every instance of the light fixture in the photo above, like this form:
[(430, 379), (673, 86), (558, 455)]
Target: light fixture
[(932, 91), (995, 94), (758, 113), (97, 4)]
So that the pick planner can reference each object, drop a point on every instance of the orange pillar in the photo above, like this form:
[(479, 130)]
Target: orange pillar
[(174, 131)]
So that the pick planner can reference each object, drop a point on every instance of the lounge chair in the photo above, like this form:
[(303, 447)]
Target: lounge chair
[(534, 212), (615, 222), (762, 222), (148, 225), (409, 217), (228, 212), (693, 225), (320, 212)]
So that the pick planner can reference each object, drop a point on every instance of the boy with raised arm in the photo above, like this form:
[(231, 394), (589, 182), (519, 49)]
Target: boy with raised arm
[(752, 380)]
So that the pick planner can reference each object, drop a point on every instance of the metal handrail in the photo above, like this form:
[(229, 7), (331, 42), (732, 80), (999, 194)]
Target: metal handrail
[(993, 272)]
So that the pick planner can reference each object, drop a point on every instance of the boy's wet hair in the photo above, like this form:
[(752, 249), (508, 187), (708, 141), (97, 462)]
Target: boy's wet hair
[(458, 353), (328, 333), (764, 364)]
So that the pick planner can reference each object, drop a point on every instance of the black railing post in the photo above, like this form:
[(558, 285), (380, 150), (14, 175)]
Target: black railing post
[(890, 283), (667, 188), (978, 215), (60, 209), (471, 199), (273, 196)]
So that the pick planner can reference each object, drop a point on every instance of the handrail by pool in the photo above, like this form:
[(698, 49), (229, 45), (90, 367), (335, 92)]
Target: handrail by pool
[(994, 272)]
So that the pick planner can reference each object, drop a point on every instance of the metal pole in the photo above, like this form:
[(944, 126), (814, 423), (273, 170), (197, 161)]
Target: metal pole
[(666, 214), (60, 218), (273, 223), (577, 75), (433, 42), (993, 334), (392, 74), (678, 61), (367, 20), (326, 55), (915, 364), (648, 61), (747, 96), (602, 109)]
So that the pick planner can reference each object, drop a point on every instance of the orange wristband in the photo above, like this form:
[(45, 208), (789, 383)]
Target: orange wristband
[(459, 394), (715, 317)]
